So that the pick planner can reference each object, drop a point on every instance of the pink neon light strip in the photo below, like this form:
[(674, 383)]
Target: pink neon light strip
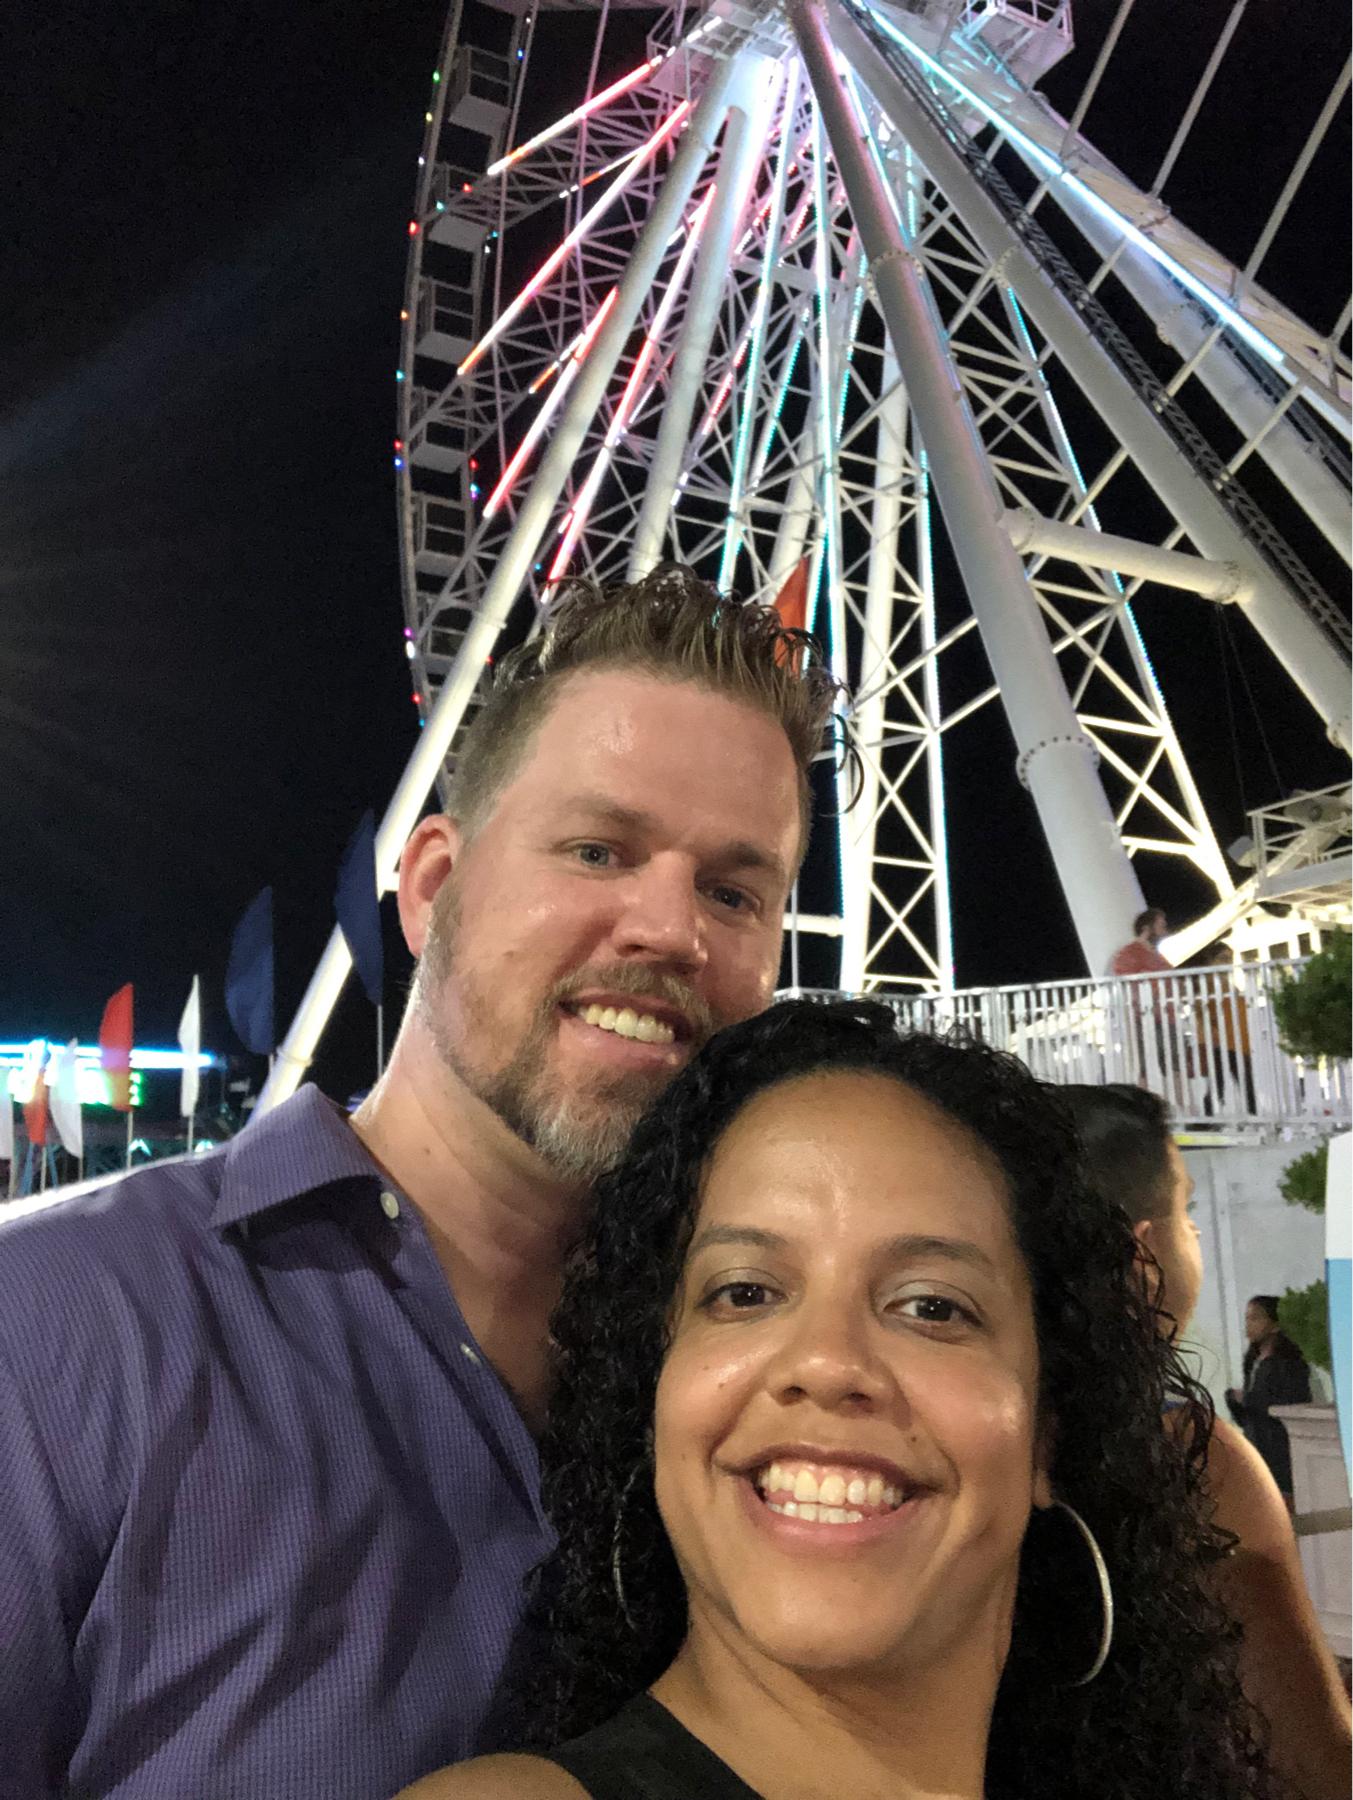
[(582, 506), (623, 86), (573, 357), (557, 256)]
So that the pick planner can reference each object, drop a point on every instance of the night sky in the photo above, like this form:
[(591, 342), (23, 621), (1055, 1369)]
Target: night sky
[(201, 673)]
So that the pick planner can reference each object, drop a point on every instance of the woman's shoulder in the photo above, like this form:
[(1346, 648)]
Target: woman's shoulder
[(498, 1778)]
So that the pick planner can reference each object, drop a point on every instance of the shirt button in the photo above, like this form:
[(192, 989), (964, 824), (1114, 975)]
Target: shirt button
[(389, 1204), (468, 1352)]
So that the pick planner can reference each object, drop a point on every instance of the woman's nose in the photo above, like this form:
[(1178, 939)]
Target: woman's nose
[(830, 1359)]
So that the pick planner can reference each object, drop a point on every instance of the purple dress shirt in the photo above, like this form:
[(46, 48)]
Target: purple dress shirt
[(266, 1511)]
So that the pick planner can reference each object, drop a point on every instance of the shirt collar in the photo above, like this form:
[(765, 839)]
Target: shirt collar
[(304, 1144)]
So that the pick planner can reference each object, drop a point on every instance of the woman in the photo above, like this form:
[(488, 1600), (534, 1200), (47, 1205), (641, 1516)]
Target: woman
[(847, 1339), (1275, 1373), (1285, 1663)]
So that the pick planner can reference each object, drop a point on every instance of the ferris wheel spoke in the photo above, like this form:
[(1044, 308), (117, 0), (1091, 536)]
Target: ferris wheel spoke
[(1054, 757)]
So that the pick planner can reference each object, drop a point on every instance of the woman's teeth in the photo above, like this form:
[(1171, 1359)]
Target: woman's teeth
[(627, 1023), (834, 1498)]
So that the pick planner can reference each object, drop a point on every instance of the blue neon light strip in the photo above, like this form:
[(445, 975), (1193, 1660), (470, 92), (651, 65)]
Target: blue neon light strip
[(13, 1055)]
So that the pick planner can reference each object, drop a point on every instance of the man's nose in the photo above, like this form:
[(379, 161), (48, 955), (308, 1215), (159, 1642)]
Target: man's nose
[(663, 918)]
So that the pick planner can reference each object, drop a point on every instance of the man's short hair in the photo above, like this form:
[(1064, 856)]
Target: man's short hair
[(1125, 1133), (1143, 919), (671, 625)]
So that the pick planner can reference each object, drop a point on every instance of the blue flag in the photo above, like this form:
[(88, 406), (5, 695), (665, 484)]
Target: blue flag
[(248, 982), (358, 907)]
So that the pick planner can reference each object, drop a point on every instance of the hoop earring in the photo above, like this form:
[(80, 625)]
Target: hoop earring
[(617, 1581), (1105, 1595)]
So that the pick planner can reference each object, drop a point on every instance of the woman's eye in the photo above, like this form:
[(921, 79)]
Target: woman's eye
[(739, 1296), (936, 1309)]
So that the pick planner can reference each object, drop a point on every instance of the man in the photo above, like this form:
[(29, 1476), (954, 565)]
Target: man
[(1161, 1061), (1141, 954), (1288, 1672), (269, 1481)]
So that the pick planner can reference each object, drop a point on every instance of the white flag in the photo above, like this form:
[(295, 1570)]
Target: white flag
[(190, 1043), (6, 1118), (63, 1082)]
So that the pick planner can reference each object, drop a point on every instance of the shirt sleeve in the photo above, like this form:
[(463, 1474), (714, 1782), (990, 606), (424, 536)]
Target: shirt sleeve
[(60, 1477), (38, 1578)]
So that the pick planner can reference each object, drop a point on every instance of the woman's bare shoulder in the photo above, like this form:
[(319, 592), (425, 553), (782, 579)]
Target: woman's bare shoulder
[(498, 1778)]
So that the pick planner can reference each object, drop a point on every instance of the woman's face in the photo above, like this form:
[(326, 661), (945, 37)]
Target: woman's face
[(1257, 1323), (845, 1431)]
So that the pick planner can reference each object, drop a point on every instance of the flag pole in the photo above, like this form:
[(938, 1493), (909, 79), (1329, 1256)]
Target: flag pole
[(42, 1170), (131, 1114), (190, 1134)]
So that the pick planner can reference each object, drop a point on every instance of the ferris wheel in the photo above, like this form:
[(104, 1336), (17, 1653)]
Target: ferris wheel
[(828, 287)]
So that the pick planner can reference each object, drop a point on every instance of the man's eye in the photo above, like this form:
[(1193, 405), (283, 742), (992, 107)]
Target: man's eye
[(594, 856), (733, 898)]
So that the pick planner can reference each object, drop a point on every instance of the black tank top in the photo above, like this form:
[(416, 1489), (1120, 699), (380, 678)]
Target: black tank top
[(643, 1753)]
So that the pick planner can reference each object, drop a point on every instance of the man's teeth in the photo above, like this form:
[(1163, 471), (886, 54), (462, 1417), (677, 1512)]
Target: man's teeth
[(829, 1499), (627, 1023)]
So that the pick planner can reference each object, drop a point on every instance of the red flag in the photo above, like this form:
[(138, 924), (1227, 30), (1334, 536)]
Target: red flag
[(35, 1110), (115, 1048), (792, 605)]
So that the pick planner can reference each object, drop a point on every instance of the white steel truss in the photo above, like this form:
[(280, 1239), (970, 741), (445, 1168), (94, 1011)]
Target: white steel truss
[(703, 369)]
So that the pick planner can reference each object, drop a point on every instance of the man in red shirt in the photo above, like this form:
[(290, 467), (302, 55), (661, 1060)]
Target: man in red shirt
[(1140, 956), (1158, 1052)]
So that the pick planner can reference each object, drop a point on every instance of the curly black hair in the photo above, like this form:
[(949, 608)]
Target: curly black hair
[(1166, 1715)]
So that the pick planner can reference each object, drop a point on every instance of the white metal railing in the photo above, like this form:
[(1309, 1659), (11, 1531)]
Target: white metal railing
[(1205, 1039)]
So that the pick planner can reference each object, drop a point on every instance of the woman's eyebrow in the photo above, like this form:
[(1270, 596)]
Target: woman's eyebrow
[(738, 1234), (962, 1250), (905, 1247)]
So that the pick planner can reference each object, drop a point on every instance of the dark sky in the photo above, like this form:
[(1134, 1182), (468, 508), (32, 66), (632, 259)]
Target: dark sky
[(201, 673)]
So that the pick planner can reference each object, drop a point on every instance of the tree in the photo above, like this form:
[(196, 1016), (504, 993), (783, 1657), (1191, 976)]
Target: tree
[(1314, 1020), (1312, 1006)]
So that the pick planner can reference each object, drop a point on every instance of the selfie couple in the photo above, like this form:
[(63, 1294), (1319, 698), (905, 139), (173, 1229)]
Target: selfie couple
[(680, 1397)]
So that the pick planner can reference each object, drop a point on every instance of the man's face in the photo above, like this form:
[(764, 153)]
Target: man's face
[(1177, 1247), (623, 900), (1157, 928)]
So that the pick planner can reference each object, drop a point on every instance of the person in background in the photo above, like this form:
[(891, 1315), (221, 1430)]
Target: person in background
[(268, 1471), (1162, 1059), (1288, 1670), (1274, 1373), (846, 1342), (1141, 954)]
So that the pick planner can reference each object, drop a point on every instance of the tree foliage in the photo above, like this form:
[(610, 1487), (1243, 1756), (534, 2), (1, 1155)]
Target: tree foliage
[(1303, 1180), (1303, 1313), (1313, 1007)]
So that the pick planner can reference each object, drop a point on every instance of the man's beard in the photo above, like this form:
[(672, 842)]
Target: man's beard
[(577, 1134)]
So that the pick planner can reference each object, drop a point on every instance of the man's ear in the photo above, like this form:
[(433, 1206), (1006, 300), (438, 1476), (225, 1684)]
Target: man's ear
[(428, 858), (1147, 1263)]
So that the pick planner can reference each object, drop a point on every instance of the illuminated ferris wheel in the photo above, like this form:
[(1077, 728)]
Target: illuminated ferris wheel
[(828, 287)]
